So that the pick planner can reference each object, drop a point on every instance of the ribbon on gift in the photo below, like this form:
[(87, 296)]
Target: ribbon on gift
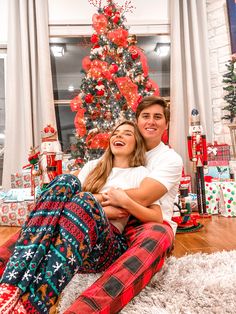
[(211, 150)]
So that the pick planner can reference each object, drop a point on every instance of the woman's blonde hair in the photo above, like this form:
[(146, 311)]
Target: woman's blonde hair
[(97, 178)]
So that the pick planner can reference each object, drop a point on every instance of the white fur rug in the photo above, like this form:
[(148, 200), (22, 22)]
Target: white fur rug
[(198, 283)]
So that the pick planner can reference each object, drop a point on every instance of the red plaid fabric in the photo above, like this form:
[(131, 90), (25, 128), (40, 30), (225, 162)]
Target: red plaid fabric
[(149, 244), (6, 250)]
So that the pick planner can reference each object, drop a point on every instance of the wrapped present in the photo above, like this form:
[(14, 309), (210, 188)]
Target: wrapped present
[(218, 151), (22, 180), (16, 195), (213, 197), (218, 172), (15, 213), (228, 206)]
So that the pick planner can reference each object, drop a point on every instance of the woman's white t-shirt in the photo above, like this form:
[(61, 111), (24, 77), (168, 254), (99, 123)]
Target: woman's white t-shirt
[(124, 178)]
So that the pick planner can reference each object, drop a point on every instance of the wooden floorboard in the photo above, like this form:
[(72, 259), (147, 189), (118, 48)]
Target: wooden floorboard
[(218, 233)]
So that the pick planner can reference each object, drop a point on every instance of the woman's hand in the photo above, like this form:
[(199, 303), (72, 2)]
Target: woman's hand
[(115, 197), (115, 212)]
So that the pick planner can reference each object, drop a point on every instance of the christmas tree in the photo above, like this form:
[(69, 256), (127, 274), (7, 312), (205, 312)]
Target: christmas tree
[(116, 79), (230, 97)]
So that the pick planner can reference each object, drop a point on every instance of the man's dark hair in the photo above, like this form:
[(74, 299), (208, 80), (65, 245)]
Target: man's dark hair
[(153, 100)]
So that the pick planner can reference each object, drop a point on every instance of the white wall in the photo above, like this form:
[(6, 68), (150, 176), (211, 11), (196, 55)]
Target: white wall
[(150, 16), (3, 22), (81, 11), (154, 16), (220, 52)]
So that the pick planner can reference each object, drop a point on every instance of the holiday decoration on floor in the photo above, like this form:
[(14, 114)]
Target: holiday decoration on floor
[(116, 79), (47, 163), (186, 221), (197, 151)]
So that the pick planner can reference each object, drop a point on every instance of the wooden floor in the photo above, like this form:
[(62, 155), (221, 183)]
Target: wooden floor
[(217, 234)]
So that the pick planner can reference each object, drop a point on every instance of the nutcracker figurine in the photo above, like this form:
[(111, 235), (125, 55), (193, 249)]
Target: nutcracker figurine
[(197, 151), (49, 163)]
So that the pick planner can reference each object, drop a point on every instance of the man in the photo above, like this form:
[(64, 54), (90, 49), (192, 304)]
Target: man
[(149, 243)]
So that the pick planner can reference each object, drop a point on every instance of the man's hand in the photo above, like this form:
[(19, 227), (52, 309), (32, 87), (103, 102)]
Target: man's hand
[(115, 212), (115, 197)]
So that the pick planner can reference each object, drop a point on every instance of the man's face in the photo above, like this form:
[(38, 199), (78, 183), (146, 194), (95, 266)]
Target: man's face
[(152, 124)]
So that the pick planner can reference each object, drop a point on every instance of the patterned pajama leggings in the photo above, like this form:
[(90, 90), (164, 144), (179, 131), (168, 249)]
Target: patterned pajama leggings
[(67, 232)]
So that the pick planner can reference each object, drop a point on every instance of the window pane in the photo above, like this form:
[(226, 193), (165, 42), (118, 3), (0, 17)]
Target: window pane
[(67, 74)]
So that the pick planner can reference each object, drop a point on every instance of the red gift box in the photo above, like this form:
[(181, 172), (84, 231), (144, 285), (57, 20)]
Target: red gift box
[(218, 152)]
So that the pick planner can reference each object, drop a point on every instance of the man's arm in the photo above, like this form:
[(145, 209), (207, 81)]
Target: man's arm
[(147, 193), (144, 214)]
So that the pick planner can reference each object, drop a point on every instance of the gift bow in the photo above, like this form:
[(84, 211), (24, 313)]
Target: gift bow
[(212, 150)]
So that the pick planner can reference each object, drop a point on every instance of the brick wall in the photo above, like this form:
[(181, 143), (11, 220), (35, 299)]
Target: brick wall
[(220, 52)]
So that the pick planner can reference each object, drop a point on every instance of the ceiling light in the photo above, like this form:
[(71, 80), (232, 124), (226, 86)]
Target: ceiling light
[(58, 51), (71, 88), (162, 50)]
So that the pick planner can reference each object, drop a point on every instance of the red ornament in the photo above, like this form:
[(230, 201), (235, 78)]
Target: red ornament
[(108, 10), (118, 96), (88, 98), (142, 56), (116, 17), (134, 55), (49, 129), (94, 38), (100, 92), (96, 46), (113, 68)]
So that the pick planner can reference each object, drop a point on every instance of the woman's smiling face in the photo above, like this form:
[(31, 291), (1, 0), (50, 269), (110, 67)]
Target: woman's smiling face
[(122, 140)]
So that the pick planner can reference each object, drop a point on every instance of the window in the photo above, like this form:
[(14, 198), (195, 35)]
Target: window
[(66, 60)]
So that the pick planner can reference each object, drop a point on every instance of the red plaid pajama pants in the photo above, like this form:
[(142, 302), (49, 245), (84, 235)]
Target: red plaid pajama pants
[(149, 244)]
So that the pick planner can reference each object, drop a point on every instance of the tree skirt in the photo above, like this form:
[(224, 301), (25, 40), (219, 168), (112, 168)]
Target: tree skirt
[(198, 283)]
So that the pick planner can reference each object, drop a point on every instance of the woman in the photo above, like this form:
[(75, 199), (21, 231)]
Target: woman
[(69, 232)]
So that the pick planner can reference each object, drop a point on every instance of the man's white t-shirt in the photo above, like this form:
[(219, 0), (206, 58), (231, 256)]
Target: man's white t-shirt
[(124, 178), (165, 166)]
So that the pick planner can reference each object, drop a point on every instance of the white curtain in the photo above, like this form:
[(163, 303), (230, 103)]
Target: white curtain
[(190, 75), (29, 94)]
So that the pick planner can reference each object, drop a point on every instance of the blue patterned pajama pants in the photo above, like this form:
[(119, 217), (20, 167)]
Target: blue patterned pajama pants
[(67, 232)]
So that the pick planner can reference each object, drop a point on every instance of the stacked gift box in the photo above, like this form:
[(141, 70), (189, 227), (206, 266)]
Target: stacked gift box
[(221, 198), (23, 179), (218, 156), (16, 203), (15, 213), (220, 187)]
